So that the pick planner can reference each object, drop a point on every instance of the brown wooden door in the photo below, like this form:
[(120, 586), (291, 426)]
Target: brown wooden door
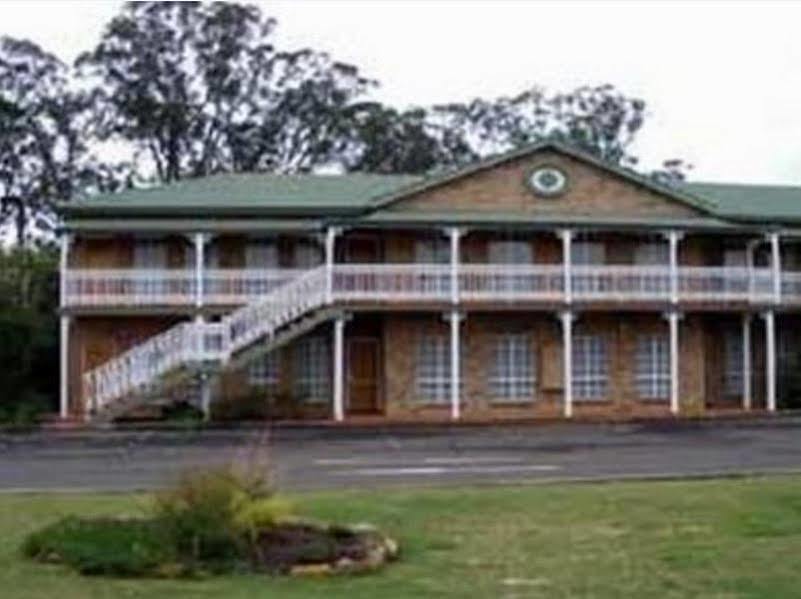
[(363, 375)]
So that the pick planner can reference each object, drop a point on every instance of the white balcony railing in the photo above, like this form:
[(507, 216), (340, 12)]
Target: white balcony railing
[(432, 283)]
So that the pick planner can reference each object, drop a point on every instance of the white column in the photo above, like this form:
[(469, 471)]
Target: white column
[(339, 368), (750, 246), (454, 233), (776, 266), (673, 325), (455, 318), (567, 263), (746, 338), (64, 365), (567, 318), (673, 242), (64, 337), (770, 360), (205, 395), (330, 246), (200, 247)]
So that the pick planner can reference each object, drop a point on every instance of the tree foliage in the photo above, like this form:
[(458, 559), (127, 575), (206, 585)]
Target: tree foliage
[(200, 89)]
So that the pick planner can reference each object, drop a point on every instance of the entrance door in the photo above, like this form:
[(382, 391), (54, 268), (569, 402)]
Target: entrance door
[(363, 375)]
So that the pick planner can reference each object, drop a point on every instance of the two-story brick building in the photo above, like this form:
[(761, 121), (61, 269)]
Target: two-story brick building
[(540, 283)]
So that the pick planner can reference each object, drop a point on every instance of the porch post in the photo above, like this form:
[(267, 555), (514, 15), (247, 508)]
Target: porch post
[(770, 366), (454, 233), (567, 318), (64, 343), (455, 318), (776, 267), (673, 241), (567, 263), (330, 246), (339, 368), (746, 338), (673, 324), (200, 260)]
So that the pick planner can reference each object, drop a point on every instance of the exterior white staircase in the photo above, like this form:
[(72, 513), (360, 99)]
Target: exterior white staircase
[(187, 349)]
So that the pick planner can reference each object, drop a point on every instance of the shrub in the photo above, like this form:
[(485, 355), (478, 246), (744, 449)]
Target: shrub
[(210, 516), (102, 546)]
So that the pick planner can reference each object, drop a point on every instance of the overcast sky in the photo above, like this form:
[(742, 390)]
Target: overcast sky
[(722, 79)]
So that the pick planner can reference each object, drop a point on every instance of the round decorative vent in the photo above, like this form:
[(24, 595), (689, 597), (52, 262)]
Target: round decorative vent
[(548, 181)]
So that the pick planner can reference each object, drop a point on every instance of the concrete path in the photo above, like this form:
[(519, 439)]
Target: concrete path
[(330, 458)]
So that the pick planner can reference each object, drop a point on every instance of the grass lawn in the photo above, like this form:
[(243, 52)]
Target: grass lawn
[(737, 538)]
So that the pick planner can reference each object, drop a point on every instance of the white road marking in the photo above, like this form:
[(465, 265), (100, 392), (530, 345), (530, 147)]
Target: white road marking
[(439, 470), (365, 461)]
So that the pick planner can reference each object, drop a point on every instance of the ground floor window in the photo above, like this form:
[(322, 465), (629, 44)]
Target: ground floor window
[(652, 366), (433, 368), (263, 371), (590, 367), (312, 369), (733, 363), (512, 372)]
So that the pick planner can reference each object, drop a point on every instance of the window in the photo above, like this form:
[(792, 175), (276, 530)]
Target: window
[(590, 367), (261, 254), (588, 252), (263, 371), (434, 368), (652, 254), (432, 251), (512, 372), (307, 255), (733, 363), (150, 254), (312, 369), (510, 252), (652, 367)]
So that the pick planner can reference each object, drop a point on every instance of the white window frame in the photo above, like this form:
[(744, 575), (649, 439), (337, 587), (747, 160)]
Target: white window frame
[(261, 254), (590, 367), (307, 254), (510, 251), (433, 369), (433, 250), (586, 253), (311, 369), (264, 371), (652, 366), (652, 253), (512, 376)]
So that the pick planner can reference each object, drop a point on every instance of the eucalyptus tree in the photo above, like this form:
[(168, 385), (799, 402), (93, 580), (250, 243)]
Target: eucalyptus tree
[(200, 88)]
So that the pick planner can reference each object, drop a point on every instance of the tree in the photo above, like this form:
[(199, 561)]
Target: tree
[(385, 140), (44, 155), (199, 88)]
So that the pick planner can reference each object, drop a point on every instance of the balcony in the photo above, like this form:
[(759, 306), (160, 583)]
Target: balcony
[(399, 283)]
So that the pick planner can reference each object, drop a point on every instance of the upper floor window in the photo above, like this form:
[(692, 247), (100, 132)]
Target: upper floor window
[(510, 252), (432, 251), (150, 253), (588, 252), (512, 372), (590, 367), (307, 254), (652, 366), (652, 254), (261, 254)]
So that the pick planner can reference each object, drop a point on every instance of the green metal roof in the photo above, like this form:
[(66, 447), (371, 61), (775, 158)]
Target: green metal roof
[(361, 197), (762, 203), (249, 192)]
